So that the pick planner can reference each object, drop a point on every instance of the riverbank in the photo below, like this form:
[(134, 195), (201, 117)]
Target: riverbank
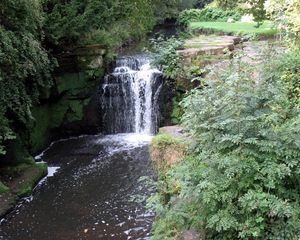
[(17, 182), (227, 176)]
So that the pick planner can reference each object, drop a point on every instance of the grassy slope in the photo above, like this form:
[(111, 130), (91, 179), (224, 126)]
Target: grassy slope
[(267, 29)]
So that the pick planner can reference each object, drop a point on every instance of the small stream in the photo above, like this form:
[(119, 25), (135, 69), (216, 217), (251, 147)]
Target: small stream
[(93, 179)]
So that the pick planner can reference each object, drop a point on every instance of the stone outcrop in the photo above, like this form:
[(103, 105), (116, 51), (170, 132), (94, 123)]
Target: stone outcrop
[(208, 45), (70, 106)]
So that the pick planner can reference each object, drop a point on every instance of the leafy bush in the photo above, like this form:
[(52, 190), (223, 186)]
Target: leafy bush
[(68, 22), (166, 57), (288, 69), (164, 140), (286, 15), (244, 181), (207, 15)]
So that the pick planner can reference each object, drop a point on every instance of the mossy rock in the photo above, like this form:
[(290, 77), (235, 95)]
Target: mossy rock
[(25, 177), (54, 116), (7, 202), (67, 107), (19, 182), (40, 134), (166, 150), (76, 84), (3, 188), (17, 153), (177, 111)]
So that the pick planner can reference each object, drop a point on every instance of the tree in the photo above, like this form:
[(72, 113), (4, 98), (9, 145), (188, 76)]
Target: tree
[(170, 9), (287, 15), (24, 64), (254, 7), (257, 9)]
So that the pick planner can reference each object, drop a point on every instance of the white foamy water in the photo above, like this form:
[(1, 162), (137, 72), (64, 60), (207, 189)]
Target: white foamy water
[(130, 97)]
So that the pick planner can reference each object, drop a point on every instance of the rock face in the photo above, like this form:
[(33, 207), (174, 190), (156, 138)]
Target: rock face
[(70, 107), (165, 101), (175, 131)]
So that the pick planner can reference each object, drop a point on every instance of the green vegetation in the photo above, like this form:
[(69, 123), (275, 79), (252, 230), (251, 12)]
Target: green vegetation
[(266, 29), (33, 32), (111, 23), (166, 57), (254, 7), (177, 110), (3, 188), (286, 15), (24, 64), (207, 15), (164, 140), (243, 178), (29, 175), (287, 70)]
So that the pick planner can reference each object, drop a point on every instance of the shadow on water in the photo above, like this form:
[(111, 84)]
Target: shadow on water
[(89, 197)]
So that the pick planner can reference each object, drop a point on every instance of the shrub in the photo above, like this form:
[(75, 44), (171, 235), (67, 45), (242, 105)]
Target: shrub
[(286, 15), (289, 72), (166, 57), (244, 181), (207, 15)]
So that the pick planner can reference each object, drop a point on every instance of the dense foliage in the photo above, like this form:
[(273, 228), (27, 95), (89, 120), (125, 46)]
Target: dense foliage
[(30, 31), (104, 22), (24, 64), (287, 15), (166, 57), (207, 15), (288, 70), (254, 7), (242, 180)]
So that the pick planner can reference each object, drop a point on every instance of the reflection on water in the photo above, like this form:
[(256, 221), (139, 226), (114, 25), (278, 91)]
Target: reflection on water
[(87, 195)]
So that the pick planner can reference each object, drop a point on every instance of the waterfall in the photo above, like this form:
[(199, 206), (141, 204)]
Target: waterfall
[(129, 97)]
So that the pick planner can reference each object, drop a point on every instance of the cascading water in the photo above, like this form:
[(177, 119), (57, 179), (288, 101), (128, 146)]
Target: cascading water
[(89, 196), (129, 97)]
